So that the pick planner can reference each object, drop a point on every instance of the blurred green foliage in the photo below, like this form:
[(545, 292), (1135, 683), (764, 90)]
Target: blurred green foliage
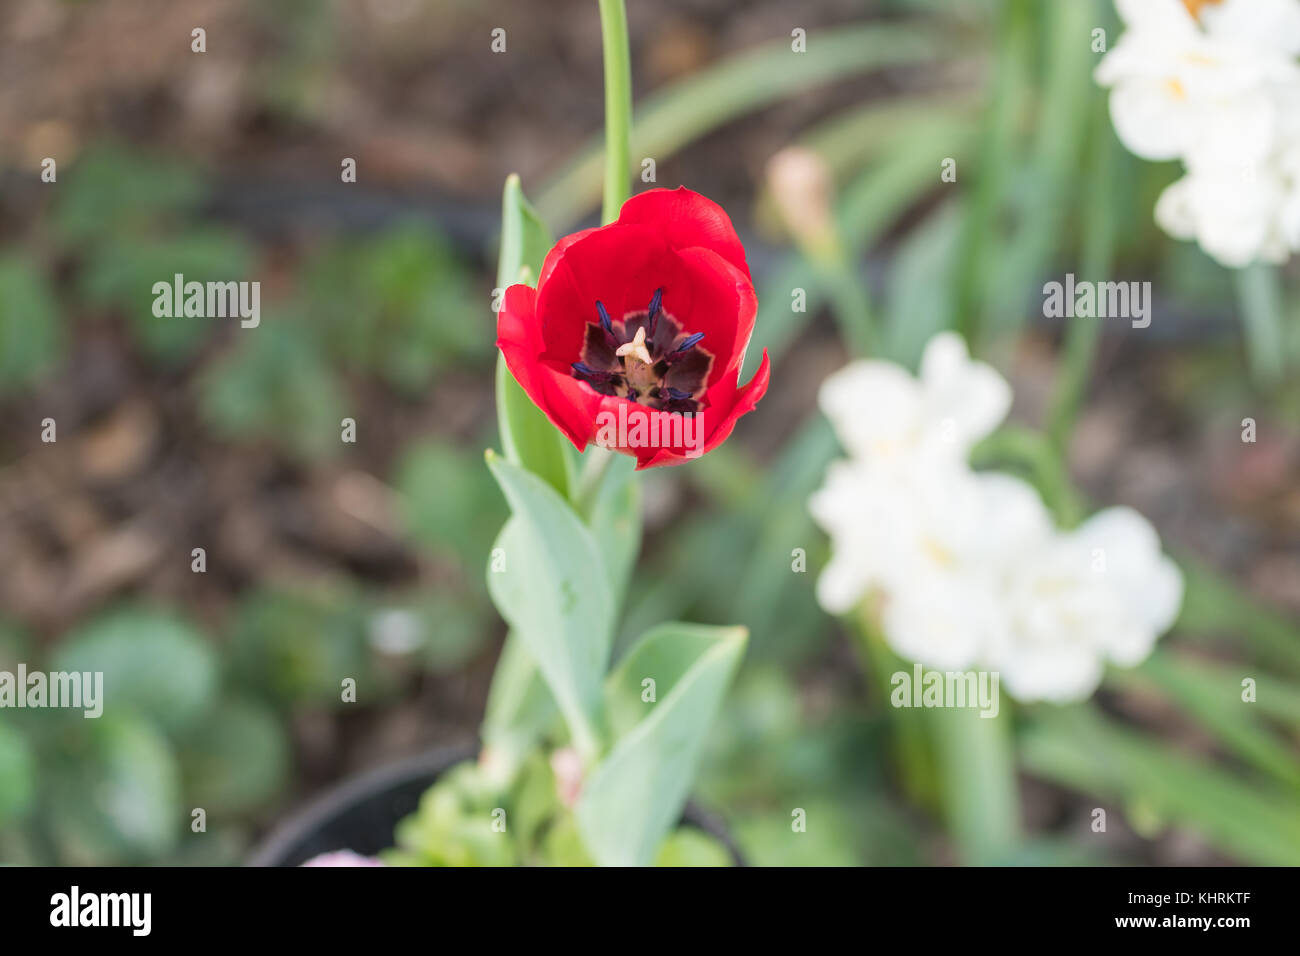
[(32, 335), (199, 716), (461, 819)]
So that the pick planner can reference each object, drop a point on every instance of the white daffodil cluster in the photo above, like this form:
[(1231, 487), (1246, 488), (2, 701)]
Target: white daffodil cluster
[(966, 569), (1216, 84)]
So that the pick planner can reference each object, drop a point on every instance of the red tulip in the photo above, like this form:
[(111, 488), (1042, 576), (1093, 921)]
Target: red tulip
[(636, 332)]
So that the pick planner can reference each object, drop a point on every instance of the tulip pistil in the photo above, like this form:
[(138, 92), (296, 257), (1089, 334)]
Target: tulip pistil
[(646, 358)]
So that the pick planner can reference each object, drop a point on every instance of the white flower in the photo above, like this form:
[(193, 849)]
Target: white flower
[(929, 542), (1237, 215), (965, 569), (1272, 25), (881, 412), (1216, 84), (1102, 592), (1180, 91), (941, 602)]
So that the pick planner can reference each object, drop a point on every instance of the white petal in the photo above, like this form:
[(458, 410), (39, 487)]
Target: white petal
[(1159, 15), (872, 405), (840, 587), (964, 400), (1060, 673), (1272, 25), (940, 622), (1152, 118), (1175, 213)]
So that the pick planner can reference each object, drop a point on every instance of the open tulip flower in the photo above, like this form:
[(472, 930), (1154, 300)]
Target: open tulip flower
[(635, 335)]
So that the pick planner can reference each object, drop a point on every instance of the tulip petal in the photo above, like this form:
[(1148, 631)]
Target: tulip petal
[(687, 219), (569, 405), (719, 419)]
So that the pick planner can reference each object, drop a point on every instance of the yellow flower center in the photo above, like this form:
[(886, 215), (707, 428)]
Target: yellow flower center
[(1194, 6)]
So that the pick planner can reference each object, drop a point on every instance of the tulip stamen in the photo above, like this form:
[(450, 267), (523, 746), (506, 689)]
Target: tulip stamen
[(610, 338), (645, 357), (655, 302), (594, 375), (687, 344)]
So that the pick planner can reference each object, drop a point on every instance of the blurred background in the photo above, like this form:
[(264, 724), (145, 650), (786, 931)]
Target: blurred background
[(366, 559)]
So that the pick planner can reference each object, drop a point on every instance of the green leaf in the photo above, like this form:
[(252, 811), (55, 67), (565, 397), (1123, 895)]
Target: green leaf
[(112, 191), (445, 502), (31, 325), (1210, 694), (1244, 817), (1259, 293), (1213, 604), (455, 825), (978, 781), (525, 240), (519, 709), (235, 760), (919, 293), (17, 775), (154, 663), (400, 304), (114, 794), (615, 519), (687, 109), (276, 386), (635, 795), (689, 846), (122, 275), (553, 596), (297, 648), (527, 436)]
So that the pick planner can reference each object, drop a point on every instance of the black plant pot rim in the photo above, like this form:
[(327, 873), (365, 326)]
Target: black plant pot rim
[(301, 836)]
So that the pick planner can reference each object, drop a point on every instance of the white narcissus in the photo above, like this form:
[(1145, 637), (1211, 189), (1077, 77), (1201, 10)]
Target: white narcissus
[(1103, 592), (1237, 215), (1216, 84), (963, 568), (940, 415)]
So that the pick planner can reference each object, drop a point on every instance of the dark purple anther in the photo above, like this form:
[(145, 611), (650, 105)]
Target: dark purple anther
[(655, 303), (605, 324), (586, 371)]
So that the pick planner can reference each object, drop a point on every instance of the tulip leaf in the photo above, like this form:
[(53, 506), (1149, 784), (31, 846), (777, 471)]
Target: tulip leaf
[(527, 437), (525, 240), (614, 515), (545, 578), (634, 796), (519, 707)]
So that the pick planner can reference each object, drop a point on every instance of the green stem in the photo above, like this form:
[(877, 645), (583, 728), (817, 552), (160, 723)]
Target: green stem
[(978, 771), (618, 107), (1259, 293), (1082, 335), (911, 745)]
